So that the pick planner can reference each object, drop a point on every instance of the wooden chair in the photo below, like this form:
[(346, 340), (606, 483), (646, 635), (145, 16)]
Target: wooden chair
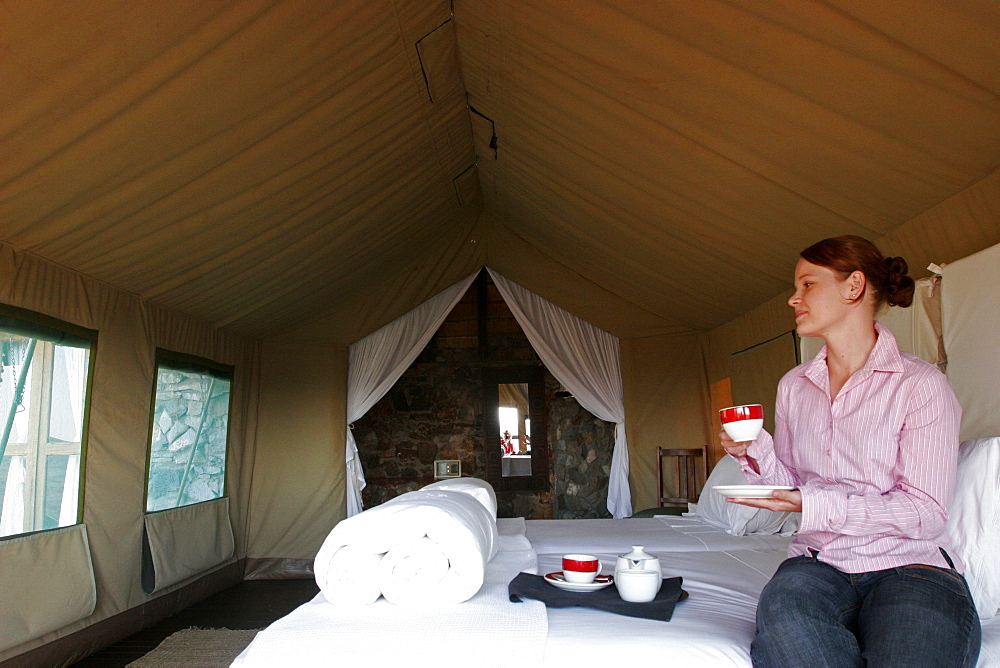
[(685, 473)]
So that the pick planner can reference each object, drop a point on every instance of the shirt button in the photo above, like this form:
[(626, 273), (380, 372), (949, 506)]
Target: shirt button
[(828, 452)]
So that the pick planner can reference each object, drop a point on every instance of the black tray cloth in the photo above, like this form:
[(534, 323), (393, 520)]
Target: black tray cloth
[(661, 608)]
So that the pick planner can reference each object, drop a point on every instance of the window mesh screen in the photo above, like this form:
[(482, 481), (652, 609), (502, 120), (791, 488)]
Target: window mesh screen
[(187, 453), (43, 393)]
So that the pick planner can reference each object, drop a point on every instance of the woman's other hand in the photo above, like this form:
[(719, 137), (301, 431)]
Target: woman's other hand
[(782, 501)]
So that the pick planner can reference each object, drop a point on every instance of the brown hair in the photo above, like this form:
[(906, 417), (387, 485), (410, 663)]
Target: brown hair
[(847, 254)]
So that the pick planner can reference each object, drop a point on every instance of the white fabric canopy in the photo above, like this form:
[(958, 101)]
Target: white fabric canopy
[(970, 306), (377, 361), (586, 361)]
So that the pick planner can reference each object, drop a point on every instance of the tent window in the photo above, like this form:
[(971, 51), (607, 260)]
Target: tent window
[(188, 432), (43, 413)]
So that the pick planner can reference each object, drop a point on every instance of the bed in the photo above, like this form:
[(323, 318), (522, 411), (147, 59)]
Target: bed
[(713, 626), (724, 553)]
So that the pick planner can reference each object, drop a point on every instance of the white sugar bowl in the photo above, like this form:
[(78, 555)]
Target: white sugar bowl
[(637, 586), (638, 560)]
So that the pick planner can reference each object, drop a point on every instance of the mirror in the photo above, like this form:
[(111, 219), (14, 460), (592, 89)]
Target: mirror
[(515, 429), (514, 425)]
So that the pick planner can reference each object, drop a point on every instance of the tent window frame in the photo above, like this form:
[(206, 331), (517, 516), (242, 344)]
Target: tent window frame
[(183, 362), (48, 333)]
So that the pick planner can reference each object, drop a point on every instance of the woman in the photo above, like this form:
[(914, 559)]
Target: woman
[(868, 436)]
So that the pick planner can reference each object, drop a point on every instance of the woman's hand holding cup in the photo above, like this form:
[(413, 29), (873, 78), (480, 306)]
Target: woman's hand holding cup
[(740, 426), (732, 447)]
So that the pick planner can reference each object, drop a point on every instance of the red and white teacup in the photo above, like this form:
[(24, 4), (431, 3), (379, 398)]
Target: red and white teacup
[(580, 568), (742, 423)]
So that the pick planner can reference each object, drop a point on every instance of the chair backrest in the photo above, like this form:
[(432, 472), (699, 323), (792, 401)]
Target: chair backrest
[(685, 469)]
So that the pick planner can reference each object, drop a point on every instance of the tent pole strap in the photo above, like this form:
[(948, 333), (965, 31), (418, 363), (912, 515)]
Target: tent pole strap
[(16, 398)]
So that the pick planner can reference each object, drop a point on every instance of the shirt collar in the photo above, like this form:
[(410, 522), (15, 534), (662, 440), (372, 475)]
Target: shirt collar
[(885, 356)]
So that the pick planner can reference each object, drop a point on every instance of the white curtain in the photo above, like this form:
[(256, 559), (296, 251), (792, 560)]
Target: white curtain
[(77, 360), (69, 385), (377, 361), (586, 361)]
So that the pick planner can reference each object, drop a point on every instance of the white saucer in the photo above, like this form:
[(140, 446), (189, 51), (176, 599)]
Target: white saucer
[(559, 580), (749, 491)]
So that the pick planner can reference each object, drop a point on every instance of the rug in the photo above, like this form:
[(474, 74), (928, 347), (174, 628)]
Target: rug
[(196, 647)]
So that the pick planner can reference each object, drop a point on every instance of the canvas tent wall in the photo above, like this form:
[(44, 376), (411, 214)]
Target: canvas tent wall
[(130, 330)]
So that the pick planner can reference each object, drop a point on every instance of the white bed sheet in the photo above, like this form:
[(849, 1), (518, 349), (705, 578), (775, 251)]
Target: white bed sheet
[(989, 655), (665, 533)]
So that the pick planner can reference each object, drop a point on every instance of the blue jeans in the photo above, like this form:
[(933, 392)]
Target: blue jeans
[(811, 614)]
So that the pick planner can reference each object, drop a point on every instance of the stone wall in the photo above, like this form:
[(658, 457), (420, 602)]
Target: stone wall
[(581, 448), (435, 412)]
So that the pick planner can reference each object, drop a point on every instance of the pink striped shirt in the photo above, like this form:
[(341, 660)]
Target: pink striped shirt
[(876, 466)]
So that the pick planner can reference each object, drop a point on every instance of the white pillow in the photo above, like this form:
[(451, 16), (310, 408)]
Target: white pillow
[(974, 521), (734, 518)]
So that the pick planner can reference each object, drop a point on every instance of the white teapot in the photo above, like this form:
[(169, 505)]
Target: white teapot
[(637, 559)]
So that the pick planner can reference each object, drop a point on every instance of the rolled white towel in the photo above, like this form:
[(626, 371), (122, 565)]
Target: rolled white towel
[(459, 537), (412, 571), (349, 576)]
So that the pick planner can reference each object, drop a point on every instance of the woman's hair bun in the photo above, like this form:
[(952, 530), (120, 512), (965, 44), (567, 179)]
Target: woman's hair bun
[(899, 287)]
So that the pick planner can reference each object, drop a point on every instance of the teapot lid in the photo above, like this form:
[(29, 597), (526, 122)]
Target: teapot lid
[(638, 552)]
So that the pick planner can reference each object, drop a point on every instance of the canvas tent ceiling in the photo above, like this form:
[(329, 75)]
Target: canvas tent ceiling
[(260, 164)]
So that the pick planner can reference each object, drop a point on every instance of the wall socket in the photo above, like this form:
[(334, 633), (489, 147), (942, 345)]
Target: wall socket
[(447, 468)]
